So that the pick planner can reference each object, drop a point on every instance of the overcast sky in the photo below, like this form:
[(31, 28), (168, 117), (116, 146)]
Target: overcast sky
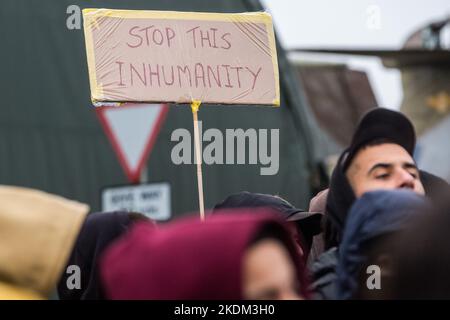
[(375, 24)]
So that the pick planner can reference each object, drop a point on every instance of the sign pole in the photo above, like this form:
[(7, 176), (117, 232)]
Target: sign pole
[(143, 178), (195, 105)]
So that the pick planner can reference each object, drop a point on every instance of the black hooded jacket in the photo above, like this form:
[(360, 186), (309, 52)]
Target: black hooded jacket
[(98, 231), (340, 199)]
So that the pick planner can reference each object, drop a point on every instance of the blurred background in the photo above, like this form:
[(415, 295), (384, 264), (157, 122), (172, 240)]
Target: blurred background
[(337, 60), (389, 53), (347, 24)]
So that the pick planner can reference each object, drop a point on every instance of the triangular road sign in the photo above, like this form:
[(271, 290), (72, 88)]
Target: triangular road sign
[(132, 130)]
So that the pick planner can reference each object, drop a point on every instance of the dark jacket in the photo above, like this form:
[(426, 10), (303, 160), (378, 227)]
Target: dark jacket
[(323, 274), (99, 230), (340, 199)]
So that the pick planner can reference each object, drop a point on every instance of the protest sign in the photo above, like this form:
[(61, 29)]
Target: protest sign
[(164, 56), (182, 57)]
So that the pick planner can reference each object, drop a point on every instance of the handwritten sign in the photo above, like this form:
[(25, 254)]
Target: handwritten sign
[(164, 56)]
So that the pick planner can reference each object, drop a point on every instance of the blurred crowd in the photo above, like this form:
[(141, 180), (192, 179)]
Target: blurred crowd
[(377, 232)]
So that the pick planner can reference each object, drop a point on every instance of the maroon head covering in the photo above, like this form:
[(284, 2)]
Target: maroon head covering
[(188, 259)]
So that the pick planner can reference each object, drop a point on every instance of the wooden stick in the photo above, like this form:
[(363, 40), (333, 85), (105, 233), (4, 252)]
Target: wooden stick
[(198, 155)]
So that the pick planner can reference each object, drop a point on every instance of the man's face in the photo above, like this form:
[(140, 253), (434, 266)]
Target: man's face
[(384, 166)]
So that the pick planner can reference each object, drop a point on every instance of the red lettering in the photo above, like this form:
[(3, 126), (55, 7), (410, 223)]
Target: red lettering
[(237, 74), (170, 34), (203, 38), (146, 33), (143, 78), (193, 35), (199, 76), (209, 71), (184, 70), (120, 72), (228, 42), (164, 76), (214, 37), (228, 85), (134, 35), (255, 75), (151, 74), (161, 37)]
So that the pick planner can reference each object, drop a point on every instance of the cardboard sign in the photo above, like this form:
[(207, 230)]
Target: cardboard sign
[(164, 56), (153, 200)]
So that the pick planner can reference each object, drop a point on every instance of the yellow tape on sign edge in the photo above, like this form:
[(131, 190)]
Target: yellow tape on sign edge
[(88, 23), (90, 16), (273, 52), (195, 105), (257, 17)]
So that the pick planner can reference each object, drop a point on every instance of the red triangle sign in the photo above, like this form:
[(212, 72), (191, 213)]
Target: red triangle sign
[(132, 130)]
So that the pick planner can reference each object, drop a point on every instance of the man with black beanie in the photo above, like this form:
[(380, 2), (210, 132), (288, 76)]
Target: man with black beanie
[(380, 156)]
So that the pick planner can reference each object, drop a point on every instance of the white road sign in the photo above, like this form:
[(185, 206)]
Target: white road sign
[(153, 200)]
